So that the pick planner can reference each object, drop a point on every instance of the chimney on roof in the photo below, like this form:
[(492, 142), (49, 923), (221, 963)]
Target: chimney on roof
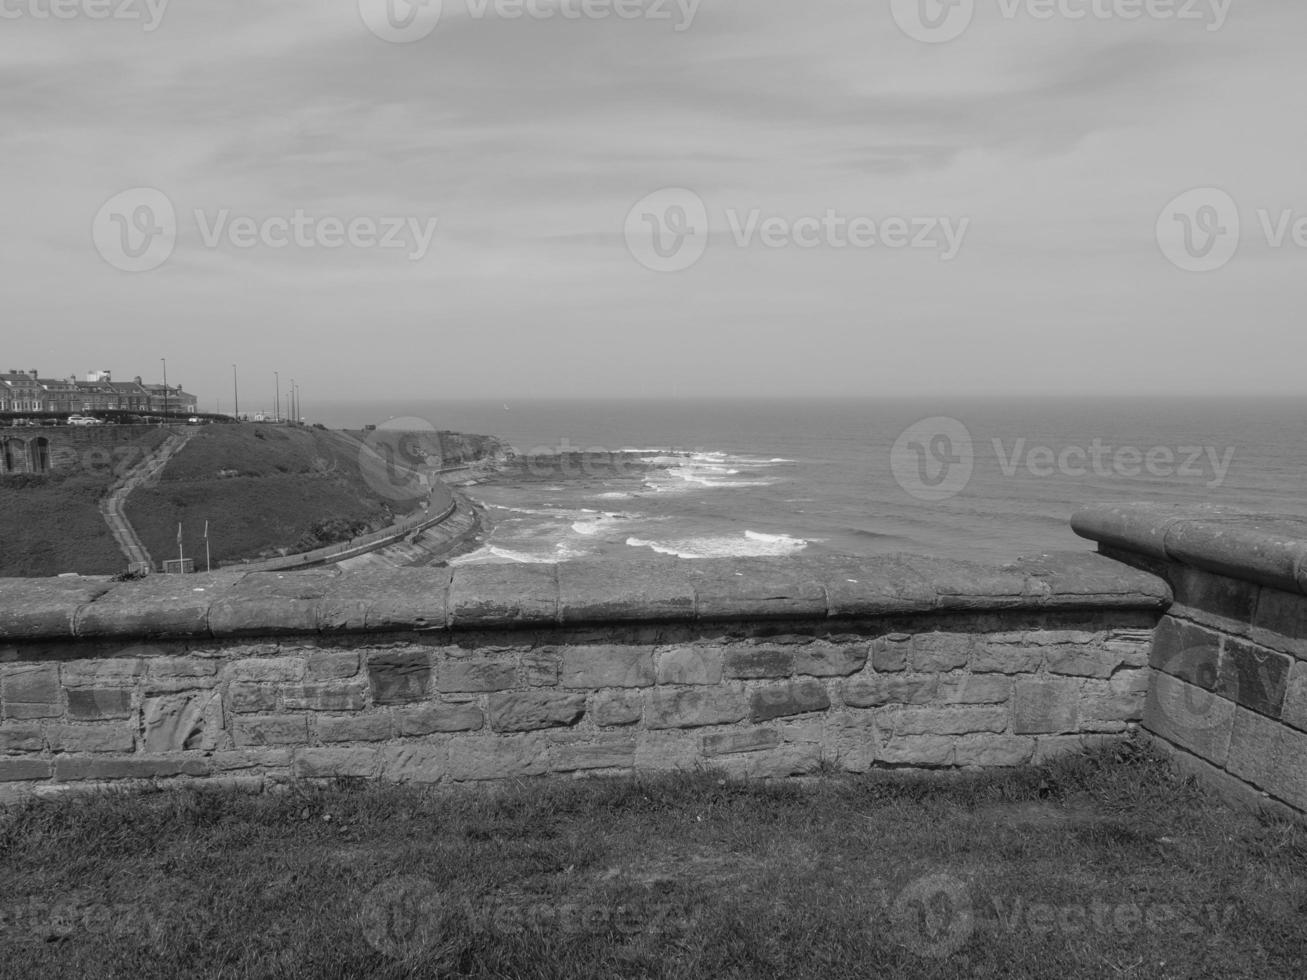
[(32, 372)]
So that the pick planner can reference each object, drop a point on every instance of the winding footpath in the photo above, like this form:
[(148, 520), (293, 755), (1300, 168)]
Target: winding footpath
[(112, 507)]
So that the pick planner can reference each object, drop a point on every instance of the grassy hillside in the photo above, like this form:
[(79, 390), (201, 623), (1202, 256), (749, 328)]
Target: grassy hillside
[(265, 490), (51, 524)]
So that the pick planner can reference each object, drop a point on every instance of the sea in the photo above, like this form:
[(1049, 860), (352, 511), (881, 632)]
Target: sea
[(988, 480)]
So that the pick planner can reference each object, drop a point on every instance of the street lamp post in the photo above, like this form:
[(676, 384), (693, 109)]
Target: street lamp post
[(236, 392), (278, 409), (165, 388)]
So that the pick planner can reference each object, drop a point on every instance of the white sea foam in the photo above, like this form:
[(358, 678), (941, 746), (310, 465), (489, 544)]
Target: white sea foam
[(750, 544)]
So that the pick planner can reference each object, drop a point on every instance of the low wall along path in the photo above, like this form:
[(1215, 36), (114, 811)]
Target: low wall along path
[(764, 667)]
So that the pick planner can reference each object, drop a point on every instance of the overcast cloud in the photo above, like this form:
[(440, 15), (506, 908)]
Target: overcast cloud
[(502, 157)]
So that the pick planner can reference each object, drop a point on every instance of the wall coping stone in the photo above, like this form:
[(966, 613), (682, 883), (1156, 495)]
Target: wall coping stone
[(1267, 549), (232, 603)]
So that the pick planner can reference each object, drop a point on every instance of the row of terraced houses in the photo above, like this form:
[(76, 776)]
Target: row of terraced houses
[(26, 391)]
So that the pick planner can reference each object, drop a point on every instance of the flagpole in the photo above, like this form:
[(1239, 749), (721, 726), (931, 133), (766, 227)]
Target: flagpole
[(208, 562), (181, 554)]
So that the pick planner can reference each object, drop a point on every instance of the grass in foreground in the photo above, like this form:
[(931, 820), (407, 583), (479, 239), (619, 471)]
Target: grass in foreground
[(1103, 865)]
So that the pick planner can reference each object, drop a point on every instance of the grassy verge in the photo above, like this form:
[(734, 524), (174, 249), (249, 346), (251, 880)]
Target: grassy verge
[(1101, 866), (52, 524)]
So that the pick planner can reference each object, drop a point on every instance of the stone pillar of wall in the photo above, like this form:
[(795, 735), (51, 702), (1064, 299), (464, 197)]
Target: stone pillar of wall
[(1229, 692)]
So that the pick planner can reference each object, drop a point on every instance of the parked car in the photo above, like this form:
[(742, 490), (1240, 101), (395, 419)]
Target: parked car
[(84, 420)]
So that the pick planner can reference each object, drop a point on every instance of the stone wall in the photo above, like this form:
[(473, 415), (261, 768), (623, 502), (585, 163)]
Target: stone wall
[(1229, 695), (761, 667)]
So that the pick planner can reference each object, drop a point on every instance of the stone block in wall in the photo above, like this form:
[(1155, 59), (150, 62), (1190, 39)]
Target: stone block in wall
[(694, 708), (777, 763), (1191, 653), (476, 674), (179, 667), (70, 768), (180, 723), (30, 691), (749, 740), (940, 652), (1269, 755), (498, 758), (975, 689), (534, 711), (266, 670), (439, 718), (574, 753), (889, 654), (915, 750), (876, 691), (1081, 661), (589, 667), (542, 668), (1190, 717), (1131, 646), (399, 676), (496, 595), (326, 696), (93, 737), (990, 750), (373, 727), (942, 721), (253, 731), (420, 762), (21, 738), (332, 665), (787, 700), (768, 589), (337, 763), (252, 758), (252, 698), (829, 660), (1253, 676), (1045, 706), (643, 593), (16, 770), (1217, 600), (1131, 681), (1280, 622), (756, 663), (851, 740), (664, 751), (1009, 654), (614, 708), (689, 665), (1295, 697), (99, 703), (112, 672)]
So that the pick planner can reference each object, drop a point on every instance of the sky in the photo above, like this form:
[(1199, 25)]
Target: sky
[(680, 199)]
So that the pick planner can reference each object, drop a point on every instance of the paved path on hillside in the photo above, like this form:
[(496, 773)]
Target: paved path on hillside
[(113, 506)]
